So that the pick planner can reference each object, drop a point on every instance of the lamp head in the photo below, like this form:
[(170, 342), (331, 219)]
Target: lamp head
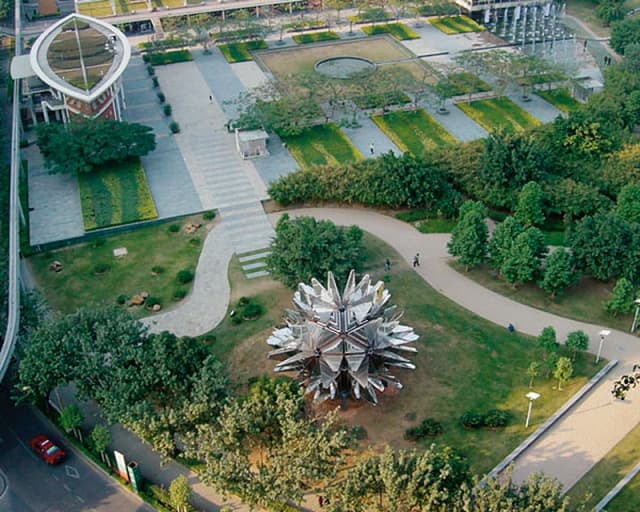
[(532, 395)]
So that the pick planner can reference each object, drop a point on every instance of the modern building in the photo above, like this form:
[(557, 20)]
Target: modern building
[(73, 69)]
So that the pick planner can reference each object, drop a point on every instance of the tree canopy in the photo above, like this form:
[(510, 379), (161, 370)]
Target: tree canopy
[(85, 145)]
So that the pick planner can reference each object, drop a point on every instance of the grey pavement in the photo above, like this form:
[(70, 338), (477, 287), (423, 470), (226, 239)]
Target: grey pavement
[(543, 111), (368, 133), (456, 122)]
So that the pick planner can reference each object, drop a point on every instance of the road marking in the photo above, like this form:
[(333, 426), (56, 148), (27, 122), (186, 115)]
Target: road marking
[(80, 500), (24, 445), (72, 472), (66, 487)]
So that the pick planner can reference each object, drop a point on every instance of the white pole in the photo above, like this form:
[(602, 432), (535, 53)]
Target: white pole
[(526, 425), (599, 349)]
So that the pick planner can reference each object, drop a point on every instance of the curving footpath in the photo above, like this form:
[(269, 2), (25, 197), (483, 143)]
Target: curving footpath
[(568, 449)]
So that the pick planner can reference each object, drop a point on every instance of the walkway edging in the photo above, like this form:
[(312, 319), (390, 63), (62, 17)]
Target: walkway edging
[(549, 423), (619, 486)]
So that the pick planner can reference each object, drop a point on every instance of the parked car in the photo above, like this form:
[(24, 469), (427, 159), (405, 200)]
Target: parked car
[(47, 449)]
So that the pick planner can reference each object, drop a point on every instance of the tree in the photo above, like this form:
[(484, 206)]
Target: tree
[(622, 297), (469, 237), (304, 248), (529, 211), (550, 363), (547, 340), (87, 144), (625, 383), (577, 341), (101, 437), (563, 371), (533, 371), (628, 203), (6, 8), (523, 259), (624, 33), (179, 493), (610, 10), (558, 273), (71, 419), (501, 241)]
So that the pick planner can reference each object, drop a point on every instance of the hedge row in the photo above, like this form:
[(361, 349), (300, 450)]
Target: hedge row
[(162, 58)]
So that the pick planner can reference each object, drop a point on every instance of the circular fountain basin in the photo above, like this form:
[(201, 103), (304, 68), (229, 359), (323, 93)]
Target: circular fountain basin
[(344, 67)]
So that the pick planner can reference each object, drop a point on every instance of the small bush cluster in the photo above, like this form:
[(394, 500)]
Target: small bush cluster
[(179, 294), (246, 310), (358, 432), (210, 215), (167, 109), (161, 97), (157, 269), (152, 301), (101, 268), (492, 419), (185, 276), (174, 127), (428, 428), (174, 228), (162, 58)]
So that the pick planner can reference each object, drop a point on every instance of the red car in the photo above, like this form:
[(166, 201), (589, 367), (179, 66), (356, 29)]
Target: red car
[(47, 449)]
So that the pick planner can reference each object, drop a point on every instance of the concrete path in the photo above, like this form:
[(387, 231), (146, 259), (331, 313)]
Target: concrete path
[(570, 448), (206, 305)]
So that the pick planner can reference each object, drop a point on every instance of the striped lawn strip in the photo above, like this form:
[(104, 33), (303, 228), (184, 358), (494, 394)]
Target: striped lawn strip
[(413, 131)]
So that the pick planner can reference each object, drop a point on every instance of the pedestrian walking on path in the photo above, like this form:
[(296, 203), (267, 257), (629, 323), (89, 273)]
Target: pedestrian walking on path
[(416, 260), (372, 148), (210, 98), (387, 265)]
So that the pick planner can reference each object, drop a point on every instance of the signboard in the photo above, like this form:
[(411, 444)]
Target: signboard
[(122, 465)]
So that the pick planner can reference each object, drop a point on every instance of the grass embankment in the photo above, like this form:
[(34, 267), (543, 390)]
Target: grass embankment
[(398, 30), (323, 144), (559, 98), (604, 476), (456, 25), (114, 195), (463, 363), (95, 9), (241, 52), (316, 37), (413, 131), (582, 301), (497, 113), (155, 256)]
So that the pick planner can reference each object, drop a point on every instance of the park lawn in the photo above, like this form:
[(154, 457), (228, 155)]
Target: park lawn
[(604, 476), (582, 301), (322, 144), (95, 9), (114, 195), (241, 52), (413, 131), (456, 25), (465, 83), (436, 225), (497, 113), (463, 363), (400, 31), (315, 37), (560, 98), (125, 7), (78, 286), (167, 3), (170, 57)]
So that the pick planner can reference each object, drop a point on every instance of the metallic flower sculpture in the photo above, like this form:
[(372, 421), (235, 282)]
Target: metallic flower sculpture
[(343, 345)]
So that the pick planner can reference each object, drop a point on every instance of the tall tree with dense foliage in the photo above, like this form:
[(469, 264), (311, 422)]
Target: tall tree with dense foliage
[(179, 493), (624, 33), (502, 239), (547, 340), (622, 297), (559, 272), (469, 236), (522, 262), (577, 341), (86, 145), (530, 208), (628, 203), (305, 247), (100, 439), (563, 371)]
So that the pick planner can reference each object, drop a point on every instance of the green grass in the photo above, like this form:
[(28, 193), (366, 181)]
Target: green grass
[(559, 98), (323, 144), (456, 25), (413, 131), (463, 362), (162, 58), (315, 37), (499, 113), (603, 477), (114, 195), (241, 52), (552, 237), (582, 301), (465, 83), (585, 10), (398, 30), (96, 9), (77, 285), (437, 225)]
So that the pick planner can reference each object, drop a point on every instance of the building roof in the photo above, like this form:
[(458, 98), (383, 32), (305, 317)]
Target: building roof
[(80, 56)]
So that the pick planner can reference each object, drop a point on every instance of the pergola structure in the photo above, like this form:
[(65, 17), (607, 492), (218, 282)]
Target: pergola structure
[(343, 345)]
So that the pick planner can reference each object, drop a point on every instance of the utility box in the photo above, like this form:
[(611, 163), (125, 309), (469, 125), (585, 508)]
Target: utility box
[(134, 476)]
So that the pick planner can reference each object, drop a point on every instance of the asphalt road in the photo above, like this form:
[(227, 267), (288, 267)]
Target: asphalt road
[(27, 484)]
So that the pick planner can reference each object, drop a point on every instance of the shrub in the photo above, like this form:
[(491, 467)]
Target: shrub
[(167, 110), (472, 420), (161, 97), (101, 268), (155, 81), (252, 311), (179, 294), (146, 58), (174, 127), (236, 319), (121, 300), (152, 301), (195, 241), (428, 428), (185, 276), (496, 418), (359, 432), (243, 301), (209, 215), (150, 70), (174, 228), (99, 242), (157, 269)]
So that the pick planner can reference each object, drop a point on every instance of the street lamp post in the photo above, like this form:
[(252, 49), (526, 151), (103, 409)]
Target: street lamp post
[(531, 395), (635, 317), (603, 334)]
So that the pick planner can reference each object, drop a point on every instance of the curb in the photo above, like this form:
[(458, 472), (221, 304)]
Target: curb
[(619, 486), (549, 423), (78, 453)]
